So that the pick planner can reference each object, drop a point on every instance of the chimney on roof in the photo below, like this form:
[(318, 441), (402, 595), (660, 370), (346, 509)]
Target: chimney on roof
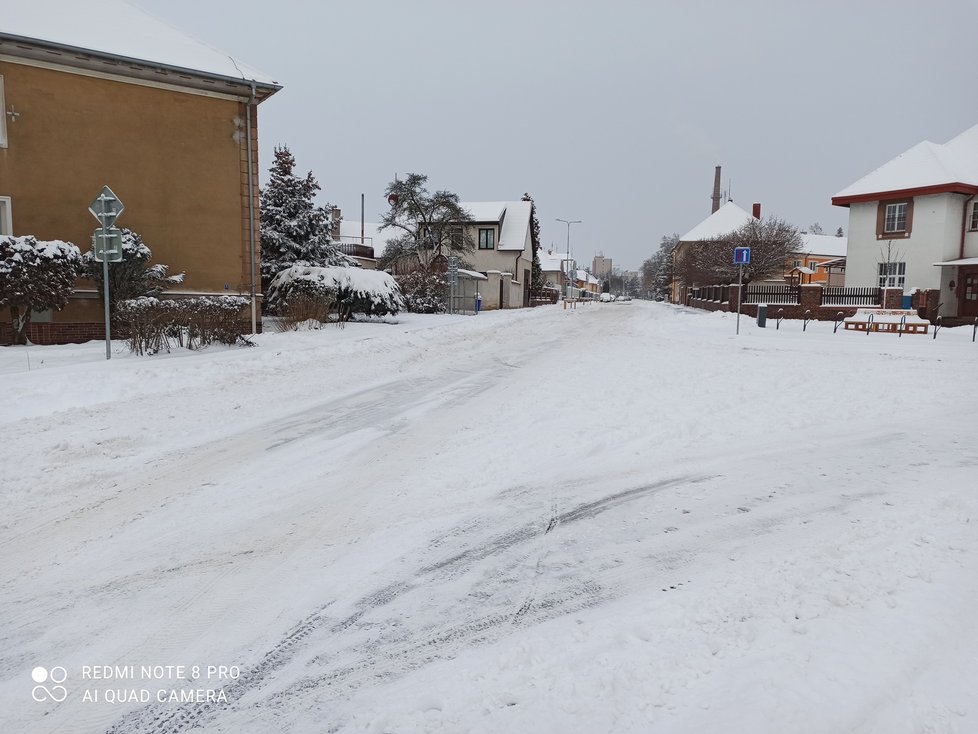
[(716, 190), (757, 210)]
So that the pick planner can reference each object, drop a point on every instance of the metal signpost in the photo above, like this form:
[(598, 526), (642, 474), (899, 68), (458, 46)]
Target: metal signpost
[(741, 258), (107, 246), (452, 284)]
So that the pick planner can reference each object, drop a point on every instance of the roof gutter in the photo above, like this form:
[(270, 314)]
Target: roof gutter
[(964, 223)]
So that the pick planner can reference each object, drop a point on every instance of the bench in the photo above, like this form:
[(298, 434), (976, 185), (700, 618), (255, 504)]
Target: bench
[(889, 320)]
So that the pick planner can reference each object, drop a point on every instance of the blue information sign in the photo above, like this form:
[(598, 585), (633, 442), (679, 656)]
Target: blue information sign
[(741, 256)]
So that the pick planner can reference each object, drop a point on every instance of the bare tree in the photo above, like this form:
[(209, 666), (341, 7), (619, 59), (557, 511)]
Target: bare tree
[(773, 242), (430, 226)]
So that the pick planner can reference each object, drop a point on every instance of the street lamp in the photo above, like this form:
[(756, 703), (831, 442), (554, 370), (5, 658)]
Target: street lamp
[(570, 280)]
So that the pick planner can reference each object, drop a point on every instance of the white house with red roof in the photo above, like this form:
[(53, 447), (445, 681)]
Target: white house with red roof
[(913, 224)]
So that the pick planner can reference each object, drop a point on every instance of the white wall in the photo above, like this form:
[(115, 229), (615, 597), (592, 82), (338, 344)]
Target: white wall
[(935, 236)]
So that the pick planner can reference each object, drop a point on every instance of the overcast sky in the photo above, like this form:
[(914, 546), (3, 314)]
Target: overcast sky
[(611, 112)]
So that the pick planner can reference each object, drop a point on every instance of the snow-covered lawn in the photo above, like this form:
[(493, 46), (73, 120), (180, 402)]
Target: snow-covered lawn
[(619, 518)]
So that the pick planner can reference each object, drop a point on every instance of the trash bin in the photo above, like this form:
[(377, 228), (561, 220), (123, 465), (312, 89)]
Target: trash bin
[(478, 302), (907, 301), (761, 314)]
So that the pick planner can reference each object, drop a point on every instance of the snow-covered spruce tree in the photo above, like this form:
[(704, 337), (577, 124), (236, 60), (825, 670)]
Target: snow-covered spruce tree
[(35, 276), (133, 276), (294, 231)]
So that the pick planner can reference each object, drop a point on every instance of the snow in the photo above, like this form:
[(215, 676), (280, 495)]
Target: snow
[(119, 28), (553, 262), (540, 520), (956, 263), (377, 285), (925, 164), (485, 211), (724, 220), (824, 245)]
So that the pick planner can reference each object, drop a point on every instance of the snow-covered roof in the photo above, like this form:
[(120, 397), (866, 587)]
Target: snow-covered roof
[(551, 262), (824, 244), (484, 211), (512, 216), (116, 28), (963, 261), (925, 164), (723, 221)]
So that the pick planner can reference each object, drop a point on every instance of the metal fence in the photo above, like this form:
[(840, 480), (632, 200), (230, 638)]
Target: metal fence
[(835, 296), (783, 294), (713, 293)]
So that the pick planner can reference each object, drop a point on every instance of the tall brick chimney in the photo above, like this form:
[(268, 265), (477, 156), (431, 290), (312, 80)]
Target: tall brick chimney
[(716, 190), (757, 210)]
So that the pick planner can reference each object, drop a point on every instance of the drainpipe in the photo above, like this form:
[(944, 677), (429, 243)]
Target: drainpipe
[(251, 212), (964, 225)]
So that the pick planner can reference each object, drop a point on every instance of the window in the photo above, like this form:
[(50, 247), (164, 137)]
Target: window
[(6, 216), (894, 219), (487, 239), (3, 117), (974, 217), (813, 265), (796, 264), (892, 275)]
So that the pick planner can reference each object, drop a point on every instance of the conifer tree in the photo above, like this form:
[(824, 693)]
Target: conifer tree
[(537, 280), (294, 231)]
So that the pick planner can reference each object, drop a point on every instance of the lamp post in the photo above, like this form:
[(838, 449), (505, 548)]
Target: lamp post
[(570, 281)]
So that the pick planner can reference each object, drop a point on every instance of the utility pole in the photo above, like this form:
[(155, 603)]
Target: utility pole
[(569, 222)]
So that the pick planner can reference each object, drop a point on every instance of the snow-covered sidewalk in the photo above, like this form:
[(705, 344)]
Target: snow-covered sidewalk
[(615, 518)]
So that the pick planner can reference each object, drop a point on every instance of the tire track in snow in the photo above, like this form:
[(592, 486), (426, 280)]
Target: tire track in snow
[(385, 658)]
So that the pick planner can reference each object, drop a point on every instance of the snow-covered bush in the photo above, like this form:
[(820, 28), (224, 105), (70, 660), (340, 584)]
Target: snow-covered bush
[(133, 276), (423, 292), (192, 322), (35, 275), (348, 290)]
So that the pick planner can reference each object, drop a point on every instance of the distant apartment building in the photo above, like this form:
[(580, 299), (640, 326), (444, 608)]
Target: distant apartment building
[(601, 266)]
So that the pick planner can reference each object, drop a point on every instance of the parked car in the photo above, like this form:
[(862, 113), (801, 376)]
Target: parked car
[(607, 298)]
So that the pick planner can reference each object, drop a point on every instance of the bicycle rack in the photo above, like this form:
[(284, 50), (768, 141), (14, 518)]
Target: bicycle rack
[(869, 323), (901, 326), (804, 325), (777, 326), (838, 320)]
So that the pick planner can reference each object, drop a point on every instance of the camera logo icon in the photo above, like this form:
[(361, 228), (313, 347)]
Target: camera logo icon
[(56, 676)]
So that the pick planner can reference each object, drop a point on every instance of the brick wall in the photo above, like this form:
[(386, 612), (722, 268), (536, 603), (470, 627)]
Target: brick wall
[(55, 333)]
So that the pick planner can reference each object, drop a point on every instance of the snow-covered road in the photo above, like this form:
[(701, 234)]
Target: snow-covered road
[(615, 518)]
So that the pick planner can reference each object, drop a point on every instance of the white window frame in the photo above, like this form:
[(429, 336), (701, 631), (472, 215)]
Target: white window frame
[(974, 217), (813, 265), (899, 212), (6, 216), (892, 275), (3, 116)]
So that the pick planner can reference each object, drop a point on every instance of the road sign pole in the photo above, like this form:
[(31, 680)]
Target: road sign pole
[(740, 290), (105, 283)]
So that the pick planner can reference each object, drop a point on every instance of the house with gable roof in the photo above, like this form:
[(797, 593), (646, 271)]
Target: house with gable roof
[(101, 93), (503, 252), (913, 224), (723, 221)]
